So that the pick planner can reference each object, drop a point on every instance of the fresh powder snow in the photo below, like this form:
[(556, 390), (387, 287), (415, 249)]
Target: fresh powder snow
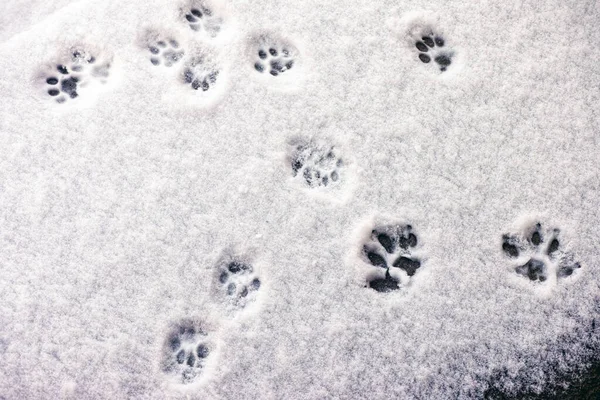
[(205, 199)]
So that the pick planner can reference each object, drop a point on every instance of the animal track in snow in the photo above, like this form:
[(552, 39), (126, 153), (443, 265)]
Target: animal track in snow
[(273, 56), (431, 46), (202, 18), (64, 81), (537, 254), (318, 165), (239, 282), (424, 37), (185, 351), (200, 73), (165, 51), (391, 246)]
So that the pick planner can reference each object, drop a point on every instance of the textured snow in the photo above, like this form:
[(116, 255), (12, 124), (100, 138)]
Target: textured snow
[(121, 209)]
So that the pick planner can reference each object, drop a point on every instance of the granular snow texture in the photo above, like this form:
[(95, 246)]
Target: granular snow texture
[(298, 199)]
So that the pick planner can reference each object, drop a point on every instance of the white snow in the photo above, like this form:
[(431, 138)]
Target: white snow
[(120, 208)]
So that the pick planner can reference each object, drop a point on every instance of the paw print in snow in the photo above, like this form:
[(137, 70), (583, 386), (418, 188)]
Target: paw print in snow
[(538, 255), (390, 246), (432, 47), (185, 351), (273, 56), (319, 166), (239, 282), (165, 52), (201, 18), (67, 84), (68, 78), (276, 61), (200, 73)]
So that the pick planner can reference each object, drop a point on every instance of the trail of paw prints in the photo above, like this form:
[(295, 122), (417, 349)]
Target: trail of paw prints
[(202, 18), (200, 73), (238, 282), (273, 56), (165, 51), (388, 247), (64, 81), (317, 165), (433, 47), (195, 68), (185, 352), (537, 254)]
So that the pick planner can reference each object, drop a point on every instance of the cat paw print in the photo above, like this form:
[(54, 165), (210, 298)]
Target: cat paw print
[(64, 81), (273, 56), (239, 282), (200, 74), (432, 47), (537, 254), (63, 85), (167, 52), (391, 247), (201, 18), (185, 352), (317, 165)]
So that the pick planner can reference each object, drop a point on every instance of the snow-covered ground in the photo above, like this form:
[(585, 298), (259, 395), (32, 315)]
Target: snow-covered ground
[(298, 199)]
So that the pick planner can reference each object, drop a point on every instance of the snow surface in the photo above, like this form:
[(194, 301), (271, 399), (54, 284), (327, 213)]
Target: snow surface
[(121, 208)]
